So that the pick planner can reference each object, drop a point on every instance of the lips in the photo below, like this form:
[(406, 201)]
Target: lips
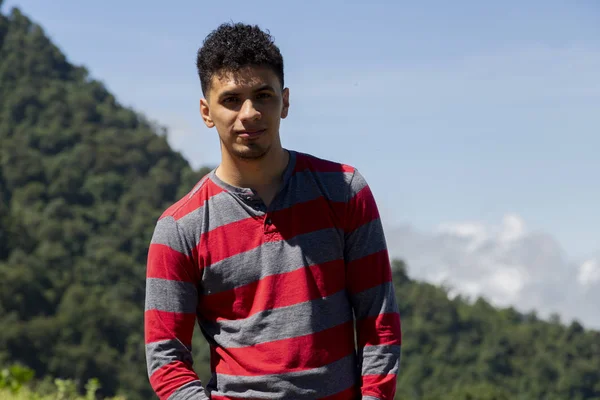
[(251, 133)]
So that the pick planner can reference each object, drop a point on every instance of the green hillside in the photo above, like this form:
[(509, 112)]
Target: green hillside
[(82, 182)]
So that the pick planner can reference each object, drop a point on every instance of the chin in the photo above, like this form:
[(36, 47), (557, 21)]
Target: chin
[(250, 152)]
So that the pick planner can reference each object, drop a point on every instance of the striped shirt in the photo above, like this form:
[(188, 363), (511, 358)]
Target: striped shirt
[(295, 299)]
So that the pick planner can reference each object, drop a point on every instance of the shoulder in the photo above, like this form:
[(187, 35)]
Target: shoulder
[(180, 224), (309, 162), (191, 201), (347, 174)]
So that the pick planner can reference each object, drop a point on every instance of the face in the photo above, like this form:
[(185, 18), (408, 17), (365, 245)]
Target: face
[(246, 107)]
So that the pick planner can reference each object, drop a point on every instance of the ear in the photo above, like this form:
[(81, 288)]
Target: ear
[(286, 102), (205, 113)]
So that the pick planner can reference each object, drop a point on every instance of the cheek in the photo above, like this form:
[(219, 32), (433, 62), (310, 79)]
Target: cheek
[(224, 121), (271, 112)]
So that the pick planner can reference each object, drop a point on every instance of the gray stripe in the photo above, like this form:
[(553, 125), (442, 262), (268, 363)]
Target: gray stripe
[(369, 398), (192, 390), (381, 360), (309, 185), (167, 232), (272, 258), (310, 384), (219, 210), (171, 296), (282, 323), (365, 240), (358, 183), (159, 354), (374, 301)]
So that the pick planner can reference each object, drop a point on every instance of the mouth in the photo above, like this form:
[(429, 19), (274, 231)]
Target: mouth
[(251, 134)]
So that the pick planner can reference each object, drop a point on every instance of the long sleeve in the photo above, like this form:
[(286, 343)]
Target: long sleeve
[(370, 287), (170, 315)]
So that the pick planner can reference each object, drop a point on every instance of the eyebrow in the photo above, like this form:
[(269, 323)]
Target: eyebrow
[(266, 86)]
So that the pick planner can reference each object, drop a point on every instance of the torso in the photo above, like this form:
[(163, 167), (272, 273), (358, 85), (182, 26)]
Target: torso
[(272, 298)]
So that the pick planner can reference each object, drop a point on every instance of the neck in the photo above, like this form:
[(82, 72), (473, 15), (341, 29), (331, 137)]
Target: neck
[(253, 173)]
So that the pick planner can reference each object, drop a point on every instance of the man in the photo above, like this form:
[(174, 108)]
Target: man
[(279, 256)]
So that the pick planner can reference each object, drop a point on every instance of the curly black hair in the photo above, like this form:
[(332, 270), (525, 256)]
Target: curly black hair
[(233, 46)]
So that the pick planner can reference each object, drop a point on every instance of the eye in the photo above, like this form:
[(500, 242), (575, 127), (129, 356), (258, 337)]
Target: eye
[(230, 100), (264, 95)]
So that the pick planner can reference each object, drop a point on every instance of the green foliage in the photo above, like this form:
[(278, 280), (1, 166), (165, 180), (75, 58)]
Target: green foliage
[(460, 350), (82, 183), (16, 384), (15, 377)]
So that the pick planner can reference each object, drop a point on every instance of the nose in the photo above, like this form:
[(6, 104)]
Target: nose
[(248, 112)]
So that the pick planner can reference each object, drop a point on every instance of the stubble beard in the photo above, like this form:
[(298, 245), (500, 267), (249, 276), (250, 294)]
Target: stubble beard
[(249, 151)]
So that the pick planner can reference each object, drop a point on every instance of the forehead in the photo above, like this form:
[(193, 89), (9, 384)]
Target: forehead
[(247, 78)]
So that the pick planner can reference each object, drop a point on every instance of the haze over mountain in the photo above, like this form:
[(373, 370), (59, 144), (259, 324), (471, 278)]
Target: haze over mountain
[(507, 264)]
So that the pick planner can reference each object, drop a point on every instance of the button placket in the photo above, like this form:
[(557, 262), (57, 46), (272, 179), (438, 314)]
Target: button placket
[(268, 226)]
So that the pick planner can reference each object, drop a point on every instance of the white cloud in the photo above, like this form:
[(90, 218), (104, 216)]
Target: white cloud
[(505, 263), (589, 273)]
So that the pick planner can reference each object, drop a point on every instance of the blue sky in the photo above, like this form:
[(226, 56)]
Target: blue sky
[(454, 111)]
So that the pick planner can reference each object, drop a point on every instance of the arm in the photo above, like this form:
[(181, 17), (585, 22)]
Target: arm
[(369, 284), (170, 315)]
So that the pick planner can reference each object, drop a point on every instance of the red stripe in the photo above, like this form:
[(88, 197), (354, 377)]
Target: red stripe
[(308, 283), (163, 325), (229, 240), (308, 217), (288, 355), (247, 234), (171, 377), (305, 161), (174, 207), (208, 190), (186, 204), (379, 386), (348, 394), (383, 329), (368, 272), (166, 263), (362, 209)]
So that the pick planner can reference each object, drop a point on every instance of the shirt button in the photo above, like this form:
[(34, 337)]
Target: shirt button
[(268, 221)]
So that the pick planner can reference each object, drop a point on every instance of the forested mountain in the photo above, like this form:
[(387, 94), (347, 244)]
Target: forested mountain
[(82, 182)]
